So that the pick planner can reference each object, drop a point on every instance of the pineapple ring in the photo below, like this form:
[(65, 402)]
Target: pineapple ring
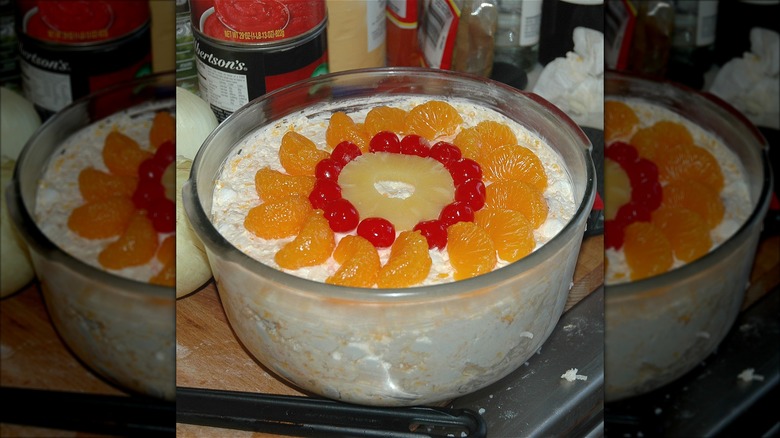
[(404, 189)]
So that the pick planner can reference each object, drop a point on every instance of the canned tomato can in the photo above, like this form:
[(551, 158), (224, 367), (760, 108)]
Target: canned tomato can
[(246, 48), (69, 49)]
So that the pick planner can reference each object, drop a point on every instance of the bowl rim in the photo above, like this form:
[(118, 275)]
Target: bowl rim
[(27, 225), (627, 290), (216, 242)]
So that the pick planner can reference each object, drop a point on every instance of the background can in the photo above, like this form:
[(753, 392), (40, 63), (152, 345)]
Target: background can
[(242, 53), (69, 49)]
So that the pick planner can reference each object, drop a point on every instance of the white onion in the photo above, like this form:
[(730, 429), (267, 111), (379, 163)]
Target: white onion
[(194, 122), (192, 264), (15, 270), (18, 121)]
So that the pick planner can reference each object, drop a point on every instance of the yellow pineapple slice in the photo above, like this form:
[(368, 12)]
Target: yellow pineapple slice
[(617, 188), (404, 189)]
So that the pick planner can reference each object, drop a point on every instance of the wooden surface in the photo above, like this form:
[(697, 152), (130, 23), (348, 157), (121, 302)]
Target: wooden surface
[(32, 355)]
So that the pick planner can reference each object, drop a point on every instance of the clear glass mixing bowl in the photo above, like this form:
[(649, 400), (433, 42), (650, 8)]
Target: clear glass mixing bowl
[(394, 347), (659, 328), (124, 330)]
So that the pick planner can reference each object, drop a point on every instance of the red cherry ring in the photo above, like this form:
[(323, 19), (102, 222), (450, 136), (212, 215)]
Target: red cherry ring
[(343, 217)]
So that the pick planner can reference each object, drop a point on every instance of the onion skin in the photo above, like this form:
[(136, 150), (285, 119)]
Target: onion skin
[(18, 121), (194, 122)]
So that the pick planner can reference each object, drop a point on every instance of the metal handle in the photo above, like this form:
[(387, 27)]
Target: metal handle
[(311, 417)]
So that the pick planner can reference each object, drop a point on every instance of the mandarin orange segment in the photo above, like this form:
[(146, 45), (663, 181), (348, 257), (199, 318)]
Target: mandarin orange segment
[(690, 163), (166, 276), (163, 129), (135, 247), (518, 196), (469, 141), (385, 118), (342, 128), (299, 155), (648, 252), (433, 119), (661, 138), (312, 246), (620, 121), (101, 219), (272, 185), (470, 249), (166, 253), (514, 162), (359, 261), (510, 231), (96, 185), (495, 134), (697, 197), (409, 262), (686, 231), (122, 155), (278, 219)]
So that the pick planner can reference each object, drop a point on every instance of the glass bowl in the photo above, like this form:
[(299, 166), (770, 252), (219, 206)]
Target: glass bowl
[(123, 329), (661, 327), (394, 347)]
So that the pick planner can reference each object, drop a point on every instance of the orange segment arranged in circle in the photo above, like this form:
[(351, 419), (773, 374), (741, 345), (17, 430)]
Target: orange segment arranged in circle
[(359, 261), (514, 162), (648, 251), (510, 231), (433, 119), (163, 129), (620, 121), (696, 197), (122, 155), (136, 246), (96, 185), (518, 196), (166, 254), (101, 219), (409, 262), (385, 118), (312, 246), (469, 141), (278, 219), (686, 231), (690, 163), (299, 155), (272, 185), (486, 136), (470, 249), (662, 138), (342, 128)]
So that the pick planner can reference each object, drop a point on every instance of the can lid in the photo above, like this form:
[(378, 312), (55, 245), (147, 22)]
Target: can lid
[(81, 22), (256, 21)]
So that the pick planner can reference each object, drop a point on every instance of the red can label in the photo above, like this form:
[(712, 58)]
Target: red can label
[(81, 21), (256, 21)]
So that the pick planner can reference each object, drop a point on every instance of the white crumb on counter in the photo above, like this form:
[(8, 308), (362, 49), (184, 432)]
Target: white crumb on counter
[(571, 375), (748, 375)]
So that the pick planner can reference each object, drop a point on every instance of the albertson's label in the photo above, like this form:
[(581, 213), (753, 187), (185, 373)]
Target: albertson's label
[(69, 49), (230, 77)]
